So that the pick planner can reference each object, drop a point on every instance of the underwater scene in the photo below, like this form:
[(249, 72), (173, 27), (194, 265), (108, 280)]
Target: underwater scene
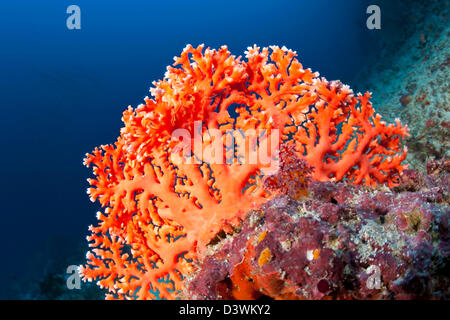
[(225, 150)]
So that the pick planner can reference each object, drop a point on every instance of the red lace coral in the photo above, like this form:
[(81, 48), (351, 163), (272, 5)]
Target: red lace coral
[(162, 206)]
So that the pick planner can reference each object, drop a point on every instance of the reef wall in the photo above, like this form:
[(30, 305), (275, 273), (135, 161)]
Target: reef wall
[(409, 75)]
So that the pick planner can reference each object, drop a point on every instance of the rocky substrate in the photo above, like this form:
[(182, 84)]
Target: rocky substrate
[(339, 242)]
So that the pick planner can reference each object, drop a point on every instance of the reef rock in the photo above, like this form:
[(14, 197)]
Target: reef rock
[(340, 241)]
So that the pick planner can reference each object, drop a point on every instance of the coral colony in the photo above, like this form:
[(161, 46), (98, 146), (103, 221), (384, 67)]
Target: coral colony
[(340, 241), (220, 186)]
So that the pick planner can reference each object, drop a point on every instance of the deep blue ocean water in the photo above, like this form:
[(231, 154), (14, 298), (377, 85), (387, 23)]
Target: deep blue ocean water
[(62, 92)]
